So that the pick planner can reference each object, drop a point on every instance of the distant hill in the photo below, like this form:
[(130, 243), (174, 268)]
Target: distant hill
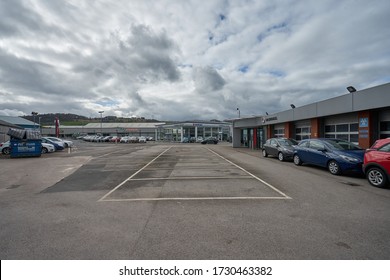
[(73, 119)]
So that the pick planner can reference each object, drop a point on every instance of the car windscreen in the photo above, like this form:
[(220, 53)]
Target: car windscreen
[(342, 145), (287, 142)]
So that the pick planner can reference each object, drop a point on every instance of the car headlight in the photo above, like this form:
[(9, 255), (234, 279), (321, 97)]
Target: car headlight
[(350, 159)]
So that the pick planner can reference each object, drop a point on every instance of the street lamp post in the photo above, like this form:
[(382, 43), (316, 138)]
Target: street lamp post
[(101, 122), (238, 109), (34, 114)]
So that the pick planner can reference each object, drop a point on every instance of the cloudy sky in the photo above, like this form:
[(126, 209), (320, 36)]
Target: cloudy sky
[(182, 60)]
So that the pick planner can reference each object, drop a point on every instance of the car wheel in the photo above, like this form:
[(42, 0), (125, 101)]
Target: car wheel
[(281, 156), (44, 150), (297, 160), (6, 151), (334, 167), (376, 177), (265, 153)]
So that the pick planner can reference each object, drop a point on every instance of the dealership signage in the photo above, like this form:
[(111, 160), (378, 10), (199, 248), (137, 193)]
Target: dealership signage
[(270, 119)]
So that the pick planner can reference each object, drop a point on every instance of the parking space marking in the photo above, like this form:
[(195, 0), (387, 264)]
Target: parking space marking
[(191, 178), (223, 161), (198, 198), (134, 174), (254, 176)]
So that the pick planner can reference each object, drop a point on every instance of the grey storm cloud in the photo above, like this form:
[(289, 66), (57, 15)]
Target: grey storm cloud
[(208, 79)]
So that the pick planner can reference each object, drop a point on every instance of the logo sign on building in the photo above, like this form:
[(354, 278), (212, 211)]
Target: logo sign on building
[(363, 122)]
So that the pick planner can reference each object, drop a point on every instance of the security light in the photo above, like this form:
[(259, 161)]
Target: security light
[(292, 106), (351, 89)]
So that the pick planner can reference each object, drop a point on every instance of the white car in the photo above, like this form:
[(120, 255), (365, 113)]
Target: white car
[(4, 148), (124, 139), (142, 139), (66, 143), (47, 148)]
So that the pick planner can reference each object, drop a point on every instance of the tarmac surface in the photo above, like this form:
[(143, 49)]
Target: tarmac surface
[(185, 201)]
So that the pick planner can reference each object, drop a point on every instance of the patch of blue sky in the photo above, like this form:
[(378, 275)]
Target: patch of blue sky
[(243, 68), (107, 102), (277, 73), (281, 27), (184, 65)]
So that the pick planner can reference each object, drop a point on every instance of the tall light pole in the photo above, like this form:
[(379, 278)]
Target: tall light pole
[(34, 114), (101, 122), (238, 109)]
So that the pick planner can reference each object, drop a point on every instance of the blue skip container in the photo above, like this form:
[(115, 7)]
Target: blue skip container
[(25, 148)]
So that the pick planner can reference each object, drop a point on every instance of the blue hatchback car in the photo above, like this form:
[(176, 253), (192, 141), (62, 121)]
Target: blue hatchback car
[(58, 146), (339, 156)]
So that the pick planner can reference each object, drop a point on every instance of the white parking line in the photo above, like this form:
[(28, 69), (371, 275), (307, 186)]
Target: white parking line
[(254, 176), (118, 186), (198, 198), (251, 176), (192, 178)]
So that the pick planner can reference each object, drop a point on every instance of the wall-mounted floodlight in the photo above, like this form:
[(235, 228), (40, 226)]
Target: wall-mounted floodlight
[(292, 106), (351, 89)]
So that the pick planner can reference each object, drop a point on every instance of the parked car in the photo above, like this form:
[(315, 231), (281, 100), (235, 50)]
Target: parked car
[(106, 138), (199, 139), (377, 163), (335, 154), (124, 139), (210, 140), (142, 139), (115, 139), (133, 139), (185, 140), (283, 148), (67, 143), (4, 147), (58, 145), (47, 148)]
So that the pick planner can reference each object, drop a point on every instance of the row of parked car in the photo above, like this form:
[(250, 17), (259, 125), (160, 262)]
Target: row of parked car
[(116, 139), (338, 156), (49, 145), (200, 139)]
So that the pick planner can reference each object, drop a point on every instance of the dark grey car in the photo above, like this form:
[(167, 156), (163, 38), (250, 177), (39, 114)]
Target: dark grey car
[(282, 148)]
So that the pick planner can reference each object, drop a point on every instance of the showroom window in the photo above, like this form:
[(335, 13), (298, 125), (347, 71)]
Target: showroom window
[(302, 133), (345, 131), (279, 132), (384, 129)]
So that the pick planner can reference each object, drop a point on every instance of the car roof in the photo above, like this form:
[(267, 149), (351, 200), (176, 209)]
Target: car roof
[(379, 143)]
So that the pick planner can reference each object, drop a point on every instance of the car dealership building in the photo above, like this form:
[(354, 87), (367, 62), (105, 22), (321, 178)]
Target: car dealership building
[(360, 117), (159, 131)]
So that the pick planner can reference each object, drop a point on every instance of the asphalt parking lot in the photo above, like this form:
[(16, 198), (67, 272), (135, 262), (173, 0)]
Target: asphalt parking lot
[(185, 201)]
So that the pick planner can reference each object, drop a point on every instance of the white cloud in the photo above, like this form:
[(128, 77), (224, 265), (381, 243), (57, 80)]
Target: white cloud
[(182, 60)]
